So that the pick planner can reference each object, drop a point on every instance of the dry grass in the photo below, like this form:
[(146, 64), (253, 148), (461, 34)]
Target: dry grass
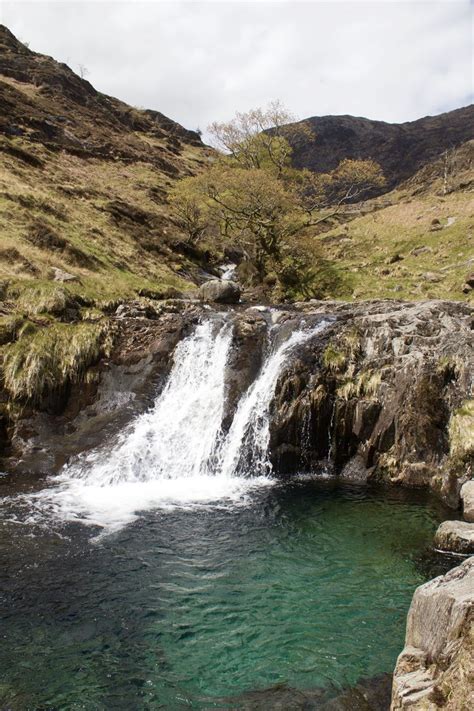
[(48, 358)]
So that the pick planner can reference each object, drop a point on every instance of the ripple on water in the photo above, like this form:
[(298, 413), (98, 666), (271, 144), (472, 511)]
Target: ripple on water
[(306, 584)]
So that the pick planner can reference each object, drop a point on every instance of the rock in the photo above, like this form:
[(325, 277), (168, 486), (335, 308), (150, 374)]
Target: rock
[(234, 254), (467, 497), (221, 292), (420, 250), (395, 258), (466, 289), (135, 309), (436, 668), (355, 470), (60, 275), (385, 380), (470, 280), (432, 277), (455, 536)]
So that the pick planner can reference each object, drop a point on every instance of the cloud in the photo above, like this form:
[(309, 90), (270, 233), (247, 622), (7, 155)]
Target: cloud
[(201, 61)]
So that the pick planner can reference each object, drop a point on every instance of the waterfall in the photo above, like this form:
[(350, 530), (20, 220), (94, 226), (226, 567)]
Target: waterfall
[(176, 454), (177, 437), (245, 449)]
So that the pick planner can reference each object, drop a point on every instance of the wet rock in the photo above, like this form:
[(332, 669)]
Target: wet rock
[(234, 254), (383, 388), (436, 668), (221, 292), (467, 497), (355, 470), (245, 358), (455, 536)]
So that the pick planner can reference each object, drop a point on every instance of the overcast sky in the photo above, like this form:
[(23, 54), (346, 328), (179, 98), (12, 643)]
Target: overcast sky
[(201, 61)]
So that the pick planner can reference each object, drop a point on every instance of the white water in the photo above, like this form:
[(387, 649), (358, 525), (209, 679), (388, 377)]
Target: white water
[(245, 449), (228, 271), (175, 455)]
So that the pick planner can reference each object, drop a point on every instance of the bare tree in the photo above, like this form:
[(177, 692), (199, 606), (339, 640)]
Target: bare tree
[(83, 71)]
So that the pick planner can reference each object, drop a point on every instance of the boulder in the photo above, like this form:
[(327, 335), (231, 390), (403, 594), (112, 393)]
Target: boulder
[(470, 280), (455, 537), (63, 276), (467, 497), (436, 668), (221, 292)]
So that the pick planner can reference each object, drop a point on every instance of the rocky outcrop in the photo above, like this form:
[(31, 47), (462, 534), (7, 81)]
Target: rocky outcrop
[(39, 439), (455, 537), (220, 292), (381, 395), (467, 497), (436, 668)]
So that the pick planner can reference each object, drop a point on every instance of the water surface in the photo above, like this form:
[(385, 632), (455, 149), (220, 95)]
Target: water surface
[(306, 584)]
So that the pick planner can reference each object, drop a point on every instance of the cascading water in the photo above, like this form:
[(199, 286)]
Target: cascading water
[(245, 449), (177, 437), (176, 453)]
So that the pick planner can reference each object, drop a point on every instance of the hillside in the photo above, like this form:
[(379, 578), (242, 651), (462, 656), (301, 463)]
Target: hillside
[(84, 221), (83, 179), (414, 242), (401, 149)]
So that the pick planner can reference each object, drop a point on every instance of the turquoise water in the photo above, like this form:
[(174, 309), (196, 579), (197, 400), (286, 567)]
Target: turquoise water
[(308, 584)]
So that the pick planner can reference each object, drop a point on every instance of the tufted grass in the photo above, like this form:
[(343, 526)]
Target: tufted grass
[(48, 358)]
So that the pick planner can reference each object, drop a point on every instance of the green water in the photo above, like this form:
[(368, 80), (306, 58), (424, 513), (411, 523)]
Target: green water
[(308, 584)]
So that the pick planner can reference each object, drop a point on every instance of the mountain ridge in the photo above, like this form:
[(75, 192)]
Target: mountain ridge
[(400, 148)]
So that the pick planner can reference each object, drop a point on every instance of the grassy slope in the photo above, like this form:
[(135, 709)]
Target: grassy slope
[(359, 252), (71, 196)]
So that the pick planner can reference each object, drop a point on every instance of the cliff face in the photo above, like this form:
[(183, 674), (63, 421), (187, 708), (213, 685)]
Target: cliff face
[(401, 149)]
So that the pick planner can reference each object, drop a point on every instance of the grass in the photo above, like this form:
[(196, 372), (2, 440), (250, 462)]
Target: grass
[(71, 197), (363, 248), (48, 358)]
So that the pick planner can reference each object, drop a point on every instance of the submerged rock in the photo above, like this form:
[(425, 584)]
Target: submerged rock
[(436, 668), (221, 292), (455, 537)]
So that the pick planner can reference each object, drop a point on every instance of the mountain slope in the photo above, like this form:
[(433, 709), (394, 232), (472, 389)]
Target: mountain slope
[(401, 149), (414, 242), (83, 180)]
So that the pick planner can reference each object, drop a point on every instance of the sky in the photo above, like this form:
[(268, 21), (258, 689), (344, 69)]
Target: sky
[(197, 62)]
